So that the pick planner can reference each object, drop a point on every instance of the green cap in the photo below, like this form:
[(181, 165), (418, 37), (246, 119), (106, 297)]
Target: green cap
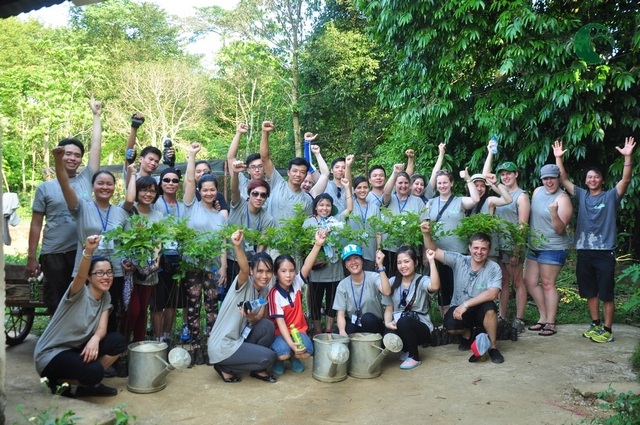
[(507, 166)]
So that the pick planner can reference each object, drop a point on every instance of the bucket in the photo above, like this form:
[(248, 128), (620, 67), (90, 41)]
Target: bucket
[(331, 352), (147, 360), (365, 348)]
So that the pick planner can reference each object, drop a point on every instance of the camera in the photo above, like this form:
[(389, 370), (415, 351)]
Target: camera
[(166, 159)]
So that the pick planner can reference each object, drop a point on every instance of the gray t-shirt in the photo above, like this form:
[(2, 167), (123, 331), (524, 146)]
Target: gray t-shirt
[(358, 220), (178, 209), (420, 304), (243, 182), (397, 207), (283, 198), (509, 213), (331, 272), (93, 220), (450, 219), (540, 221), (467, 283), (338, 200), (74, 323), (596, 223), (59, 233), (364, 296), (226, 335), (374, 199), (241, 216)]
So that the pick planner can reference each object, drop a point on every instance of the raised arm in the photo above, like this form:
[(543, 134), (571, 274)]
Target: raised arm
[(495, 201), (96, 136), (470, 201), (385, 286), (189, 185), (410, 161), (85, 263), (269, 168), (232, 153), (321, 237), (435, 276), (70, 196), (323, 178), (130, 198), (564, 178), (348, 196), (429, 244), (236, 168), (390, 184), (488, 160), (348, 161), (442, 147), (627, 168), (238, 247)]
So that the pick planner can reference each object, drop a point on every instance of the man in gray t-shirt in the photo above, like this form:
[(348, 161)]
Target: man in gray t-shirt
[(477, 284), (595, 238), (58, 249), (284, 194)]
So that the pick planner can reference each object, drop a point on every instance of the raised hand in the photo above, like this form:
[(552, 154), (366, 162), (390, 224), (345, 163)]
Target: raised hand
[(242, 128), (238, 166), (410, 153), (315, 149), (425, 227), (96, 106), (629, 145), (464, 174), (267, 126), (345, 182), (491, 178), (236, 237), (58, 153), (310, 137), (349, 159), (194, 148), (321, 237), (431, 254), (379, 259), (557, 149), (92, 243), (397, 168), (442, 148)]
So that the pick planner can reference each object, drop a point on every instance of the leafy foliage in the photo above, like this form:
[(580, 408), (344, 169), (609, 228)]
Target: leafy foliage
[(142, 240), (625, 405), (399, 229)]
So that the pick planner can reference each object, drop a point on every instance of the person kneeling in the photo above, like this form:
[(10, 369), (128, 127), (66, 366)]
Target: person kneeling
[(75, 348), (477, 283)]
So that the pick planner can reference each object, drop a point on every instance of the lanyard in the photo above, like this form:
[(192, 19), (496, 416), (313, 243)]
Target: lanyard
[(166, 207), (363, 216), (401, 207), (103, 220), (259, 228), (379, 199), (359, 302)]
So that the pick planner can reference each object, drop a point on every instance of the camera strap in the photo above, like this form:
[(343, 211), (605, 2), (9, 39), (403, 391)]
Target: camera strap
[(415, 292)]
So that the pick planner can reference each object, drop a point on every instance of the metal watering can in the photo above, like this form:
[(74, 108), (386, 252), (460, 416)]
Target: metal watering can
[(149, 365), (330, 357), (392, 344)]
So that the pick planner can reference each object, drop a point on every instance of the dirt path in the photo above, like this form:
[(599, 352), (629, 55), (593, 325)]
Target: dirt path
[(537, 384)]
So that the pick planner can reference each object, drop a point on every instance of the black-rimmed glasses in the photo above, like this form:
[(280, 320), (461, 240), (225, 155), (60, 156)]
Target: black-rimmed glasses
[(101, 273)]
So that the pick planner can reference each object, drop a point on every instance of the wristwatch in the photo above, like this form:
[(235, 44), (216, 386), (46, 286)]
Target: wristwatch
[(381, 269)]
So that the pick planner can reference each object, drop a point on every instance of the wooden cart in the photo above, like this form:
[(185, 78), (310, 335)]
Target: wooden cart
[(22, 298)]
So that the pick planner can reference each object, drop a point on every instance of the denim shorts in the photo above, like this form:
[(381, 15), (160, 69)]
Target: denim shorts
[(553, 257), (281, 347)]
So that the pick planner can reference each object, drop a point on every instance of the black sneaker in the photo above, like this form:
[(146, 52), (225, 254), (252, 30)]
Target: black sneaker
[(99, 390), (110, 372), (495, 355), (122, 367)]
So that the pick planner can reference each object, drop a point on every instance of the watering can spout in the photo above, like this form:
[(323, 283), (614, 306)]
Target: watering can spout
[(392, 343)]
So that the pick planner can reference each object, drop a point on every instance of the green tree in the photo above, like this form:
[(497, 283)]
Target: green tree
[(467, 70)]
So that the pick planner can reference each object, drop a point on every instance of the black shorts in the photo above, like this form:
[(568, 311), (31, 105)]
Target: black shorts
[(595, 271), (472, 318)]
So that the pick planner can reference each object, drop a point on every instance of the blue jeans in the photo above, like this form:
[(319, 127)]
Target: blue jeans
[(553, 257), (281, 347)]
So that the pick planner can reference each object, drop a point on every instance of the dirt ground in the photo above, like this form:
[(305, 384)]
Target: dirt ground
[(540, 382)]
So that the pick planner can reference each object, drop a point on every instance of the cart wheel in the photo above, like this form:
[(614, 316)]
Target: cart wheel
[(17, 323)]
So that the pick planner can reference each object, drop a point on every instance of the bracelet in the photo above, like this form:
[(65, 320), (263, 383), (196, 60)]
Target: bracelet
[(381, 269), (464, 304), (628, 164), (84, 254)]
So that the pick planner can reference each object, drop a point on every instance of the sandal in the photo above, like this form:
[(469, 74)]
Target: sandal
[(537, 327), (548, 330)]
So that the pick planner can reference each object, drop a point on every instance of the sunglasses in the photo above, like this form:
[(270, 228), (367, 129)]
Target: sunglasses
[(338, 192), (403, 301), (261, 195), (168, 180)]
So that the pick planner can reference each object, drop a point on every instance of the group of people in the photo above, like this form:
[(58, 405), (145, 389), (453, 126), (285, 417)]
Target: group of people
[(261, 326)]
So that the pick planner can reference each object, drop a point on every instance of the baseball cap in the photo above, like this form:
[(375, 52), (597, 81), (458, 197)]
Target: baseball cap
[(478, 177), (507, 166), (350, 250), (549, 170), (480, 345)]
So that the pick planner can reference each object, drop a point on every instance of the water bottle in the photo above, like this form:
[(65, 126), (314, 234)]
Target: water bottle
[(493, 145), (295, 335), (254, 306), (327, 248), (185, 335)]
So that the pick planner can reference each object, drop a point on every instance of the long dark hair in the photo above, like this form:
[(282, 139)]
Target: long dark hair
[(413, 254)]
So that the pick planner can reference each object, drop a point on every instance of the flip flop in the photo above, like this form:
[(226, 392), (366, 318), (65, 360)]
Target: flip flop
[(547, 331), (537, 327)]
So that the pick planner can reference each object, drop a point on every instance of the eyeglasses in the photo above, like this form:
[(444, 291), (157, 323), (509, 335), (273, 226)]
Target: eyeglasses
[(256, 167), (261, 195), (338, 192), (168, 180), (149, 191), (101, 273)]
